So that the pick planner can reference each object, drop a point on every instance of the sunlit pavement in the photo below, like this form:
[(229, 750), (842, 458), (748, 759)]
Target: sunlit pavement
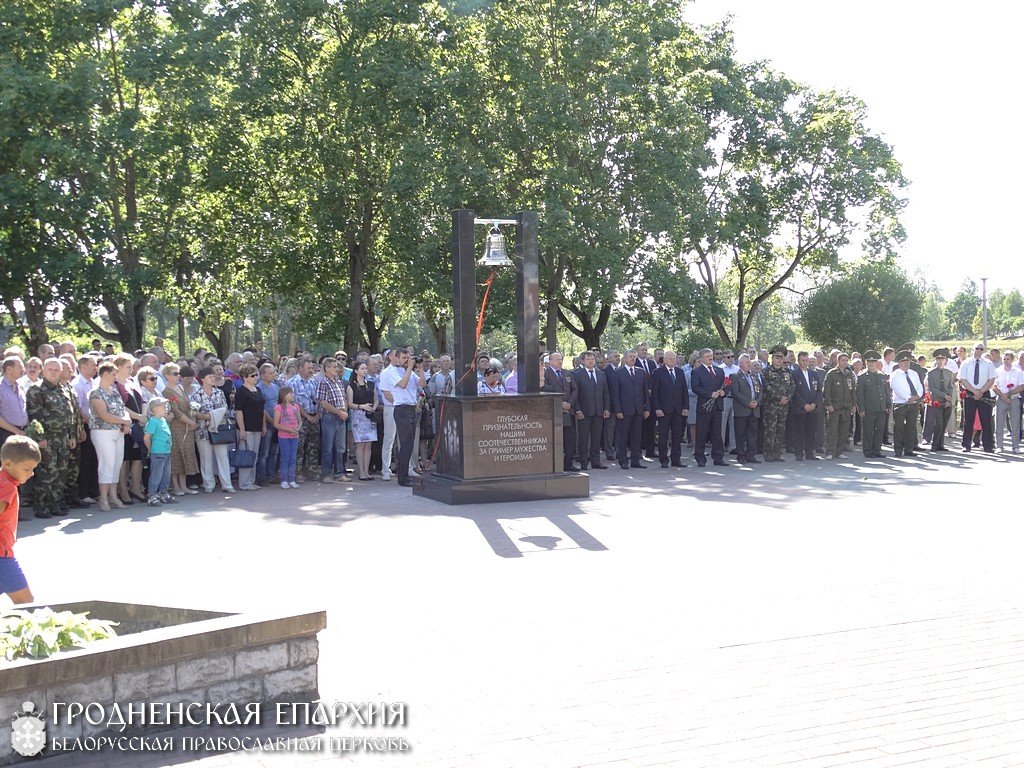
[(811, 614)]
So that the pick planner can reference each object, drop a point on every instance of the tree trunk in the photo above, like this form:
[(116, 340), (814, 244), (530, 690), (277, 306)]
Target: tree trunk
[(588, 330), (551, 294), (358, 245), (439, 329), (373, 331)]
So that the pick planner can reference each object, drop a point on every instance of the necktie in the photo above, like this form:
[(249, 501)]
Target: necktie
[(593, 379), (559, 375), (977, 364), (672, 373), (632, 373), (913, 389), (711, 372)]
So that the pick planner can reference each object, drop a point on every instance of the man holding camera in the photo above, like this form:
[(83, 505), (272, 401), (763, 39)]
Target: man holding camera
[(400, 385)]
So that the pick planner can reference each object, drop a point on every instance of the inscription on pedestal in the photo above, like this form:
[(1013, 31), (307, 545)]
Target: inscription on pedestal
[(505, 443)]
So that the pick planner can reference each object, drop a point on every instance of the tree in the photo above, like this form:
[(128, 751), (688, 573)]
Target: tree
[(933, 314), (791, 176), (875, 305), (960, 312)]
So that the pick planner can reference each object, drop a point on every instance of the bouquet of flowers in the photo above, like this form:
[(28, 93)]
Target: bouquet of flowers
[(935, 403), (35, 430), (963, 394), (194, 408)]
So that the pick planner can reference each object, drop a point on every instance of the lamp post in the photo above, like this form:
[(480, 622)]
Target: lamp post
[(984, 312)]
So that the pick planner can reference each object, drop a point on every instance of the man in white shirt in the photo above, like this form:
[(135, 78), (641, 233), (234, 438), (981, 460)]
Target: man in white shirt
[(907, 390), (728, 421), (1008, 386), (399, 385), (953, 420), (977, 375)]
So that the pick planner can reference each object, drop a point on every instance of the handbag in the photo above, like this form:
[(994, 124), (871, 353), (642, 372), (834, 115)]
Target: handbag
[(225, 434), (241, 458)]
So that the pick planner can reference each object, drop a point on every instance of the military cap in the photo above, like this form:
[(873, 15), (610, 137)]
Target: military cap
[(872, 355), (779, 349), (908, 347), (941, 352), (904, 354)]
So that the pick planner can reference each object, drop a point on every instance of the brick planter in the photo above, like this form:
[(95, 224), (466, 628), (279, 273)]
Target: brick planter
[(191, 656)]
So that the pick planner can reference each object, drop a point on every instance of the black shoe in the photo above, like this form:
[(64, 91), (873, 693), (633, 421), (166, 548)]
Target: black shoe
[(910, 453), (721, 463), (966, 450), (571, 469), (664, 465), (60, 511), (599, 466), (42, 513), (812, 457), (701, 463), (733, 452), (405, 483), (799, 458), (638, 465), (78, 504), (752, 460), (678, 464)]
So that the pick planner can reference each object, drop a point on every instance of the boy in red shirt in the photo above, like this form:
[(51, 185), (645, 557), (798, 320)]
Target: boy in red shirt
[(19, 456)]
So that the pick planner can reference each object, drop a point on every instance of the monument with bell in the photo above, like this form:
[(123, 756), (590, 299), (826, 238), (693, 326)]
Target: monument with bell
[(502, 448)]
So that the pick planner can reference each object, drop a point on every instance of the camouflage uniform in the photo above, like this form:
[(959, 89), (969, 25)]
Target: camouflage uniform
[(840, 393), (778, 383), (48, 405), (74, 455)]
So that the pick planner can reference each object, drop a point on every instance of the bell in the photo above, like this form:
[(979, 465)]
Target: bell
[(495, 253)]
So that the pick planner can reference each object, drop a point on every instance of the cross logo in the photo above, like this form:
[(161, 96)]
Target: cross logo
[(28, 731)]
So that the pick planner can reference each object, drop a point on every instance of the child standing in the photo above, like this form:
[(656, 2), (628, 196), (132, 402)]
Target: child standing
[(286, 422), (158, 443), (19, 457)]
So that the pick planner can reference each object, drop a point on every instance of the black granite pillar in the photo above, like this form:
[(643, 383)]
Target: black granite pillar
[(464, 296), (527, 303)]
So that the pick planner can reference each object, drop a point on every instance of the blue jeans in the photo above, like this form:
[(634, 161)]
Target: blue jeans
[(332, 445), (159, 473), (266, 462), (289, 451)]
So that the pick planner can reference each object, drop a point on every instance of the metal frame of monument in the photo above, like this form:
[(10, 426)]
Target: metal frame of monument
[(495, 449)]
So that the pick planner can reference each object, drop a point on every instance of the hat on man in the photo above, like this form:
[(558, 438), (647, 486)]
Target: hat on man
[(941, 352), (779, 349), (904, 354), (840, 353), (908, 347), (872, 356)]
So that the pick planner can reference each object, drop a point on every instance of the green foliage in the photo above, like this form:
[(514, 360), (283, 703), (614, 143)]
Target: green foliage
[(875, 305), (962, 309), (294, 166), (43, 632)]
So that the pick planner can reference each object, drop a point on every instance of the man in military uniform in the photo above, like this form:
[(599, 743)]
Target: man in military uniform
[(778, 388), (922, 374), (71, 497), (47, 404), (840, 403), (907, 391), (942, 390), (874, 401)]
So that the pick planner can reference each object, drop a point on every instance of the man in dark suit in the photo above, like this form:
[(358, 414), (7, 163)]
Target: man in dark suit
[(746, 411), (671, 405), (592, 408), (649, 427), (555, 380), (611, 362), (806, 403), (631, 403), (707, 382)]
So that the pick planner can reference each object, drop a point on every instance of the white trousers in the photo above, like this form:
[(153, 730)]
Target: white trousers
[(728, 423), (386, 447), (207, 454), (109, 445)]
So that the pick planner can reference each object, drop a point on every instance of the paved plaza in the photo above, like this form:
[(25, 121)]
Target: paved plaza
[(816, 614)]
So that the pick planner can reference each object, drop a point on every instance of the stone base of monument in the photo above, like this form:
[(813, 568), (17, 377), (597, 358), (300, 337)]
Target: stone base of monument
[(494, 449)]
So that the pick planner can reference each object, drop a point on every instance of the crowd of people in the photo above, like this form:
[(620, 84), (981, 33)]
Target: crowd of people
[(642, 407), (116, 429)]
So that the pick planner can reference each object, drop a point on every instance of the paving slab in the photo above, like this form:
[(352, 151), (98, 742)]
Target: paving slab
[(858, 612)]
